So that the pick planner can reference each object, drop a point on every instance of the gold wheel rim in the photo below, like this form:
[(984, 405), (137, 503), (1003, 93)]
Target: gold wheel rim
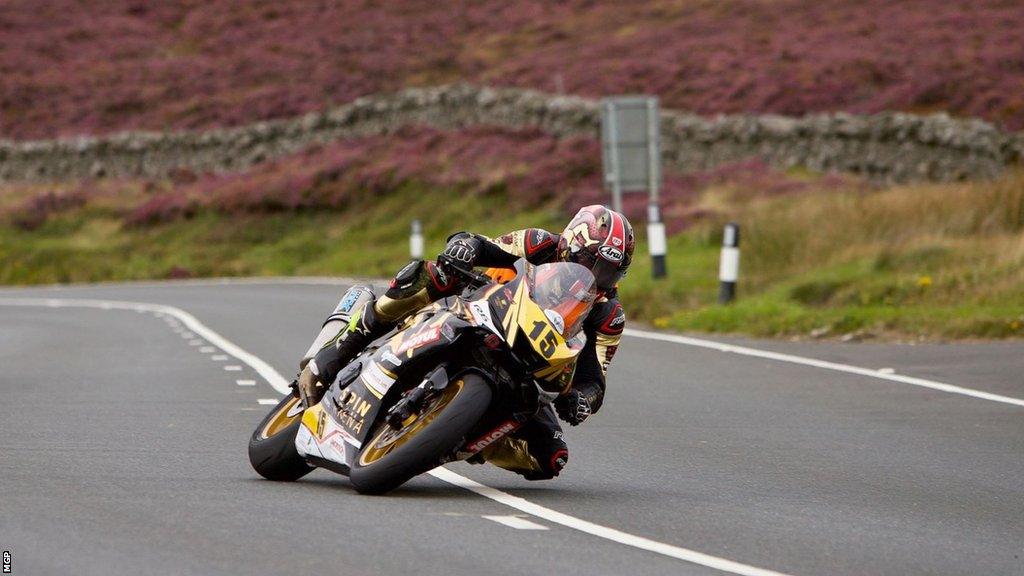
[(281, 419), (387, 439)]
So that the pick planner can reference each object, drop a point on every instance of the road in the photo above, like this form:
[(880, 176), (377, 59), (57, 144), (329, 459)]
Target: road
[(125, 438)]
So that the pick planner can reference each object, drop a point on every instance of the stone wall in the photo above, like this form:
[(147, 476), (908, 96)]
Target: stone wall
[(889, 147)]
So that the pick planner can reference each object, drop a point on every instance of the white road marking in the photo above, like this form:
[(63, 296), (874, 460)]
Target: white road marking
[(524, 505), (886, 371), (268, 401), (278, 382), (516, 522), (195, 342), (245, 382), (187, 335), (233, 368), (219, 357), (792, 359), (207, 349), (273, 377)]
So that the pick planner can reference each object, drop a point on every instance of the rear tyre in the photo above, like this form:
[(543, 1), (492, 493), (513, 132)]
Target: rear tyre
[(272, 450), (390, 458)]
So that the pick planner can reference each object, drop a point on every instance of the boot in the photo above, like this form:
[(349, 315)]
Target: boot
[(321, 371)]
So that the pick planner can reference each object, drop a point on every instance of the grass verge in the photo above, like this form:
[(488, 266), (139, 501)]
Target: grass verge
[(912, 262)]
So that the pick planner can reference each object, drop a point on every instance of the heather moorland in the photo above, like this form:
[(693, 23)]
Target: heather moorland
[(71, 67)]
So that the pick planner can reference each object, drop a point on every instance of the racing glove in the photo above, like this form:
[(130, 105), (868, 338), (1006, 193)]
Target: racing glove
[(461, 251), (572, 407)]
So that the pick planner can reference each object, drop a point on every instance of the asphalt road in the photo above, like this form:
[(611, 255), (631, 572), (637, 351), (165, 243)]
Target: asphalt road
[(124, 451)]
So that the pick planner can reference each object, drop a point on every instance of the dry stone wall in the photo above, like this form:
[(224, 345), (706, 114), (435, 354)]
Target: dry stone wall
[(890, 147)]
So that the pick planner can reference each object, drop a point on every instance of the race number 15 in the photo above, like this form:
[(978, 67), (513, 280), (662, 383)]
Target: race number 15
[(7, 562)]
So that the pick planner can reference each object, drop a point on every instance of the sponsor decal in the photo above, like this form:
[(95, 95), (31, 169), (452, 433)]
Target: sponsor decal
[(352, 412), (619, 320), (617, 241), (390, 358), (376, 378), (492, 436), (482, 314), (556, 320), (348, 301), (424, 336), (610, 253), (442, 278)]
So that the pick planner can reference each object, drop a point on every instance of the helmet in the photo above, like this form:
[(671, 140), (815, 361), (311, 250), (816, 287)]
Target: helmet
[(600, 239)]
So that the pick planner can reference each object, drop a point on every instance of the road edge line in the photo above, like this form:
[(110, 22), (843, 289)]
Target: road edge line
[(823, 364)]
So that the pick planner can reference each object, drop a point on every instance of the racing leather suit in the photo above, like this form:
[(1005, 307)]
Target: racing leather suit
[(536, 450)]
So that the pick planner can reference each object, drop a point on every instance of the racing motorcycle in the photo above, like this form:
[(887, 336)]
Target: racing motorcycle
[(454, 378)]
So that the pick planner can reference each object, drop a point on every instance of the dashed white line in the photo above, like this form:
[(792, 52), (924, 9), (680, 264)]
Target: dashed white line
[(279, 383), (517, 522), (245, 382), (233, 368), (219, 357), (195, 342), (207, 349)]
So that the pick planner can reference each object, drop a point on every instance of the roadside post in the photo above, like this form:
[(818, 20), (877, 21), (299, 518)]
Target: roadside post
[(416, 240), (631, 155), (729, 264)]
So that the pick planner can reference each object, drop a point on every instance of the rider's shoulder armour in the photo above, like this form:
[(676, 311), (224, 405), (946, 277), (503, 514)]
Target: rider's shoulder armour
[(607, 317)]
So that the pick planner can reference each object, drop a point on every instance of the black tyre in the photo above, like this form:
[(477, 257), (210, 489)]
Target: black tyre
[(272, 446), (391, 457)]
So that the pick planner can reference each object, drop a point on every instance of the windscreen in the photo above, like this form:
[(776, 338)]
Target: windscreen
[(566, 293)]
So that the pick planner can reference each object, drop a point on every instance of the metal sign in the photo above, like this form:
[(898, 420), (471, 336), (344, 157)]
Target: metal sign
[(631, 151), (630, 146)]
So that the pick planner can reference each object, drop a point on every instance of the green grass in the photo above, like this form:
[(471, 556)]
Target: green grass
[(933, 262)]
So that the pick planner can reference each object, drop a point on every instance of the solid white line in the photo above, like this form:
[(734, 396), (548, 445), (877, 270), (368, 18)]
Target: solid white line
[(281, 385), (792, 359), (516, 522), (273, 377), (245, 382), (685, 340), (598, 530), (268, 401)]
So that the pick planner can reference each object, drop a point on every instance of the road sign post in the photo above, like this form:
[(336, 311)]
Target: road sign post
[(631, 151)]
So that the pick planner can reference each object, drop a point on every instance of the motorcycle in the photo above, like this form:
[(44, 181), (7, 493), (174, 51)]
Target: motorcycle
[(459, 375)]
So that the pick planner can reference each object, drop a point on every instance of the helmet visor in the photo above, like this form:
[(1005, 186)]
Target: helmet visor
[(606, 273)]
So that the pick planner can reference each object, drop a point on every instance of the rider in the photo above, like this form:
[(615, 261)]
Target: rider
[(597, 237)]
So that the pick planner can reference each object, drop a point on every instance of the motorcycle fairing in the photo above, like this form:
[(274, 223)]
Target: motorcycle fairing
[(332, 432)]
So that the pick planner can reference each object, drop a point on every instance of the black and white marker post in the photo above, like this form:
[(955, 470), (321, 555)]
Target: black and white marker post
[(656, 243), (416, 240), (729, 266)]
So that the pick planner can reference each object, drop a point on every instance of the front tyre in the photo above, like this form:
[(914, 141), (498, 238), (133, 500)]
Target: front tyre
[(391, 457), (272, 450)]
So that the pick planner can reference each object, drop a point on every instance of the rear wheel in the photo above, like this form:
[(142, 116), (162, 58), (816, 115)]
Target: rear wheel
[(391, 457), (272, 450)]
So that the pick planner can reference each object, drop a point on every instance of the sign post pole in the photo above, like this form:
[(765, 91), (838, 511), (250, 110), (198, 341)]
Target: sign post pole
[(631, 150)]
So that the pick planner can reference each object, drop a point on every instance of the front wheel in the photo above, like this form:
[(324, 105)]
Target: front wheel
[(272, 450), (391, 457)]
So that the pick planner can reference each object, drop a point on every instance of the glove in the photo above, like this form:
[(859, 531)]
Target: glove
[(461, 251), (572, 407)]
